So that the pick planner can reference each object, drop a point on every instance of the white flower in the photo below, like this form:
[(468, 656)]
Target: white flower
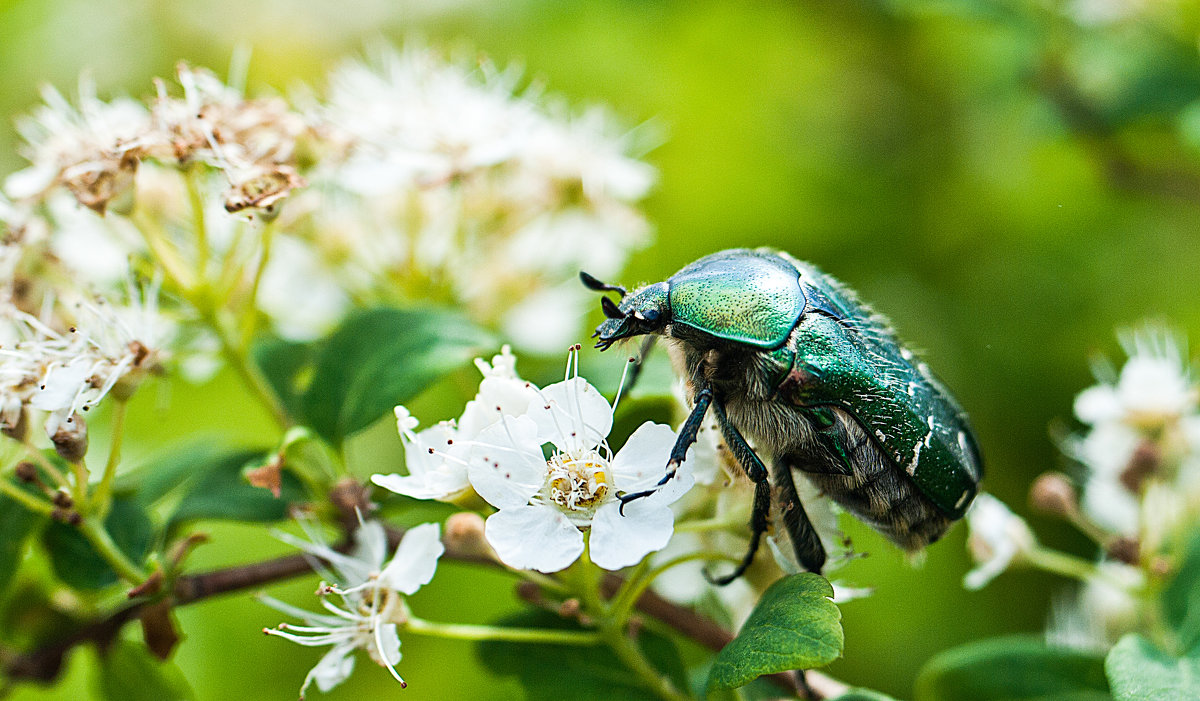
[(546, 504), (998, 538), (372, 599), (1097, 615), (436, 458), (1152, 389)]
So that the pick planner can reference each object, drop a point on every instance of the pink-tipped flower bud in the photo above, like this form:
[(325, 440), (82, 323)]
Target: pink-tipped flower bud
[(1052, 493)]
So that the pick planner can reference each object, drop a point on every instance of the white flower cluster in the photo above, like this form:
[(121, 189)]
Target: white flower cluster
[(546, 498), (371, 588), (1137, 496), (448, 182), (67, 361), (413, 179)]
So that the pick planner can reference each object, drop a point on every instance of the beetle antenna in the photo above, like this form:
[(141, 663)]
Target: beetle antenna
[(593, 284), (611, 310)]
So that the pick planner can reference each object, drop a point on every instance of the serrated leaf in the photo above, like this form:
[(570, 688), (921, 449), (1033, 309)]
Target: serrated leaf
[(128, 672), (1181, 598), (578, 672), (1139, 671), (795, 625), (380, 358), (16, 523), (1012, 668), (222, 492), (78, 564)]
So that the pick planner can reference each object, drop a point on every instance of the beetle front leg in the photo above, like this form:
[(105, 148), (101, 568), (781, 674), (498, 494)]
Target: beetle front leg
[(687, 436), (759, 520), (757, 472)]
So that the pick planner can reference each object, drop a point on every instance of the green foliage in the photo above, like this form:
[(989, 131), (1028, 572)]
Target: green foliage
[(16, 523), (221, 491), (128, 672), (372, 362), (1181, 598), (1139, 671), (78, 564), (1015, 668), (580, 673), (863, 695), (795, 625)]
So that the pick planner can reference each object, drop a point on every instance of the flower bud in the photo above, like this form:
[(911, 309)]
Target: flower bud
[(464, 535), (1053, 494), (26, 471)]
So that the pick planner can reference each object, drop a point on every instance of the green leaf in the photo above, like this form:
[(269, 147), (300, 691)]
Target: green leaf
[(78, 564), (1139, 671), (794, 626), (128, 672), (1018, 668), (380, 358), (16, 523), (577, 672), (287, 367), (863, 695), (1181, 598), (169, 471), (222, 492)]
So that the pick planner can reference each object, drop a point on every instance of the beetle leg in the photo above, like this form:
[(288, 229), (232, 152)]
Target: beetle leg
[(758, 525), (685, 439), (805, 541), (757, 472)]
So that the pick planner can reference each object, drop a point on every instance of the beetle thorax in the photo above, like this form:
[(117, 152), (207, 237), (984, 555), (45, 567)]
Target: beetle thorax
[(739, 376)]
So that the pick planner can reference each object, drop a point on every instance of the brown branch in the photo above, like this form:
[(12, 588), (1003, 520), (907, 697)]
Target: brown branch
[(45, 663)]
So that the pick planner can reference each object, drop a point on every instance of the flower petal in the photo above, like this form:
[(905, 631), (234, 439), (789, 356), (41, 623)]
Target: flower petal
[(642, 461), (622, 540), (333, 669), (507, 466), (370, 544), (572, 415), (534, 537), (415, 560)]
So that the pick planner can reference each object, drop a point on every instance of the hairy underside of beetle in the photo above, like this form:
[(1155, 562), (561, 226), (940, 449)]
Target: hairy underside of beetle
[(877, 492)]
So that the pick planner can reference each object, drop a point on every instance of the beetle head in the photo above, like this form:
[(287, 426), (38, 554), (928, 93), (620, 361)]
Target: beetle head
[(644, 311)]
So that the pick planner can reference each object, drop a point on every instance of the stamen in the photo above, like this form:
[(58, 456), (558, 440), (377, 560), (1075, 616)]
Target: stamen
[(621, 384)]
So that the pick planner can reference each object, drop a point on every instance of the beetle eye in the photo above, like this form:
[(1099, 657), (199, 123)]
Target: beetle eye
[(650, 315)]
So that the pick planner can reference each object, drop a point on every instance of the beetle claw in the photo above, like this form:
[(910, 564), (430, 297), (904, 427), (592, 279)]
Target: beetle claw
[(626, 498)]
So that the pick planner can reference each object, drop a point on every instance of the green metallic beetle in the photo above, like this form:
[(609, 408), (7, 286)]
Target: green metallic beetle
[(786, 356)]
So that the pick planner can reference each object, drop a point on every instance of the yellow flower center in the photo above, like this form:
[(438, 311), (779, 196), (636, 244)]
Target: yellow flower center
[(578, 482)]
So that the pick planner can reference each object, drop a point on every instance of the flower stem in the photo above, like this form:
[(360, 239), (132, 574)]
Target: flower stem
[(81, 486), (612, 629), (460, 631), (241, 364), (628, 597), (103, 495), (199, 226), (50, 468), (26, 499), (1061, 563), (633, 658), (103, 543)]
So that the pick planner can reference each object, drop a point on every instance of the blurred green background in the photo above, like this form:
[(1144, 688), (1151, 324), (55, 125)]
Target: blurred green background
[(1009, 182)]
